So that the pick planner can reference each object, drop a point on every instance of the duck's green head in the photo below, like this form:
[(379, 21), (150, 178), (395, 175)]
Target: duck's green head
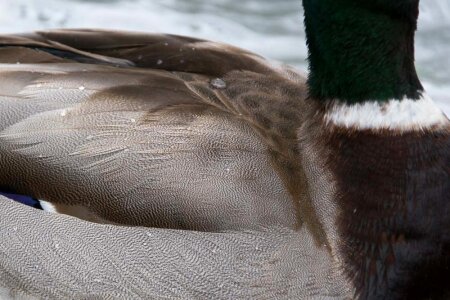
[(362, 50)]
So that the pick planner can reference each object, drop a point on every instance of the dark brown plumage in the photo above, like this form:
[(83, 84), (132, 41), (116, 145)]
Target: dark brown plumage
[(388, 207)]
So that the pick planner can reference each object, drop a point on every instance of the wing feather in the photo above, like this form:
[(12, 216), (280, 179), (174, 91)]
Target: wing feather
[(137, 146)]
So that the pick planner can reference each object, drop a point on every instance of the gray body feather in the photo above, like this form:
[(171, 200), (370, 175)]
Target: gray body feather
[(201, 176)]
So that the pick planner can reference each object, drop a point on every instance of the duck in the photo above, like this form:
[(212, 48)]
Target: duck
[(174, 167)]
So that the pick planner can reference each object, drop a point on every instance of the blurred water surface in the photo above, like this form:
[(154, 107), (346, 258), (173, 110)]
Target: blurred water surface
[(272, 28)]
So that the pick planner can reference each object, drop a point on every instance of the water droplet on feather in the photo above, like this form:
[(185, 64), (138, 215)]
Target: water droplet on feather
[(218, 83)]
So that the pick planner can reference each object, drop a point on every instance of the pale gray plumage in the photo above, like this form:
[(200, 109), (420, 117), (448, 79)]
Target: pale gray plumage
[(65, 258)]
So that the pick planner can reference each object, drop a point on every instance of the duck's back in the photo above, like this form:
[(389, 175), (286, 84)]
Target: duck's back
[(152, 130)]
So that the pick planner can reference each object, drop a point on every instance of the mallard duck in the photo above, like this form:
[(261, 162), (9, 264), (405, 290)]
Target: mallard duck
[(200, 170)]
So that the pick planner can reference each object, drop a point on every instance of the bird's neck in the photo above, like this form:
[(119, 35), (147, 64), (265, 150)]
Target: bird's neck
[(362, 51)]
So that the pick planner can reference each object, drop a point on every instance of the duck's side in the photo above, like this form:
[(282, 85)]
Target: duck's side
[(160, 131), (54, 256)]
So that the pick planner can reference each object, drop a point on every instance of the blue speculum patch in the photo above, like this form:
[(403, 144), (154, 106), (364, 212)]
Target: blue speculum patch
[(27, 200)]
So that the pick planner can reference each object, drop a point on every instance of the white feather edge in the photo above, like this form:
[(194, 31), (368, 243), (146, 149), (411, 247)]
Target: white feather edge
[(48, 207), (404, 115), (78, 211)]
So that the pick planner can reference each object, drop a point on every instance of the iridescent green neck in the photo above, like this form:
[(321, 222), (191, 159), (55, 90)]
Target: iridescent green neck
[(361, 50)]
